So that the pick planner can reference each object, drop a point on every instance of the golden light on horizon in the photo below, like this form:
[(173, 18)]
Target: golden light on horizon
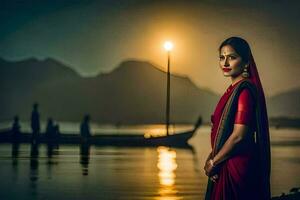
[(168, 45), (159, 131)]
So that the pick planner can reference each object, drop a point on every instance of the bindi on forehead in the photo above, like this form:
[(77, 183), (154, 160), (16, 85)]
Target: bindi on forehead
[(229, 54), (228, 50)]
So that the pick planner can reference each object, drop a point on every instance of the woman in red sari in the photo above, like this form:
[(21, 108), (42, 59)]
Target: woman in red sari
[(238, 166)]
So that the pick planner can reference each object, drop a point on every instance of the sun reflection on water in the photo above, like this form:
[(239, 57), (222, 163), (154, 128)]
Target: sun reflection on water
[(167, 166)]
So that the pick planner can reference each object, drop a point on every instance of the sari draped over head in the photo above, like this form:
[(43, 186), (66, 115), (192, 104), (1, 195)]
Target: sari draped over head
[(245, 175)]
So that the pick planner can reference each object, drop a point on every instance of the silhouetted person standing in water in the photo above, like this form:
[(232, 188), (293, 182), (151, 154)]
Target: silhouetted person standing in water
[(35, 122), (85, 127)]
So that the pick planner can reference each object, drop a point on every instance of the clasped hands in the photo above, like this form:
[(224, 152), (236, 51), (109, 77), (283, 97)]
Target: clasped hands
[(210, 170)]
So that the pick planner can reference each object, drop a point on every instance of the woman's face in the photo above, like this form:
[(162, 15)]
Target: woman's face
[(230, 62)]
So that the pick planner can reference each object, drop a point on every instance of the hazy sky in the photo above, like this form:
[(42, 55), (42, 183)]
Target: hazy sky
[(95, 36)]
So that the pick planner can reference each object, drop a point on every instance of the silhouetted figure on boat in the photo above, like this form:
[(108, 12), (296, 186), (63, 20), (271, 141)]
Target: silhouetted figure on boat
[(35, 122), (16, 129), (85, 127), (52, 133), (49, 133)]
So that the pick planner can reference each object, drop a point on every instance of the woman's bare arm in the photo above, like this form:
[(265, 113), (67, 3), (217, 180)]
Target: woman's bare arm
[(238, 135)]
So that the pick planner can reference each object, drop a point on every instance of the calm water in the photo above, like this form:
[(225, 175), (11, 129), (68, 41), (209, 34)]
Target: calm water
[(73, 172)]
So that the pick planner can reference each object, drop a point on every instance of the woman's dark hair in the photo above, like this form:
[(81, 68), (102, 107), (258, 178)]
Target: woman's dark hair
[(240, 45)]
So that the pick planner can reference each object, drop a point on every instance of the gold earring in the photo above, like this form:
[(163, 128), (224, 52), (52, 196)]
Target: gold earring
[(245, 73)]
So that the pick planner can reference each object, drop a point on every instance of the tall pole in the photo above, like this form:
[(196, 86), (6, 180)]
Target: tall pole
[(168, 96)]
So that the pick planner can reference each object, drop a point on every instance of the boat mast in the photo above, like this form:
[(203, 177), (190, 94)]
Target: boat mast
[(168, 96), (168, 46)]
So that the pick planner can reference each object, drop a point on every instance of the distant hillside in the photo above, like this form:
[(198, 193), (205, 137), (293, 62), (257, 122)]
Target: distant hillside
[(132, 93), (31, 71), (285, 104)]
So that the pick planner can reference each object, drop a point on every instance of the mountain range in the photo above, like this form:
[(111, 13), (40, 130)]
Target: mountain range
[(133, 93)]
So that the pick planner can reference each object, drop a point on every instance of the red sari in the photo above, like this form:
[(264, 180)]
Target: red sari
[(237, 175), (245, 175)]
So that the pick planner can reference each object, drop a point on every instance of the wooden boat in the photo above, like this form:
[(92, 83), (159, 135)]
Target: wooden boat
[(178, 139)]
